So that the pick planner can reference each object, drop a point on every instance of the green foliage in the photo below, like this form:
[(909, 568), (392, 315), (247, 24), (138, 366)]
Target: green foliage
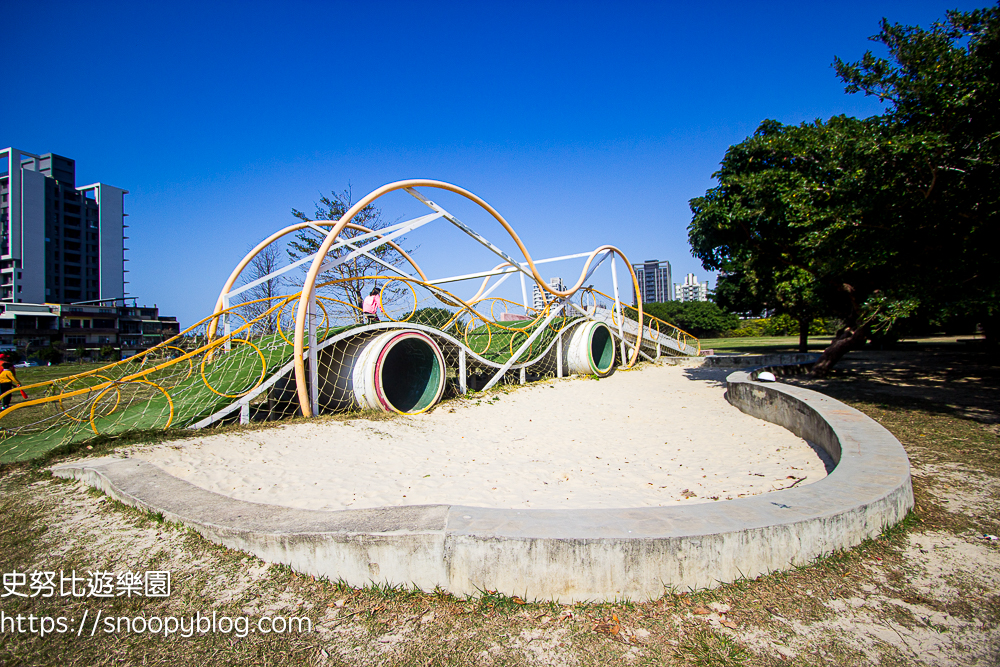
[(781, 325), (51, 354), (943, 88), (737, 292), (699, 318), (864, 219)]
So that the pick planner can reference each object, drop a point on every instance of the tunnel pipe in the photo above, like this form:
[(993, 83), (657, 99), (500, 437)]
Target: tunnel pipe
[(309, 285), (590, 350), (397, 371)]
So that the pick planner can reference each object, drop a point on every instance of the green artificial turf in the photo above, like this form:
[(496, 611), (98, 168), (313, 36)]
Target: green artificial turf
[(141, 406)]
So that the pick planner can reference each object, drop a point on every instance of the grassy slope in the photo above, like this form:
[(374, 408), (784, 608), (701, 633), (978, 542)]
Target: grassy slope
[(144, 407)]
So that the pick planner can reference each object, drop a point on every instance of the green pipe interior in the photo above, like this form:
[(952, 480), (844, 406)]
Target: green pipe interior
[(411, 375), (602, 349)]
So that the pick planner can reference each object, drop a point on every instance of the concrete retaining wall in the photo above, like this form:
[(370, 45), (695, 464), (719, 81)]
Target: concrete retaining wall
[(566, 554)]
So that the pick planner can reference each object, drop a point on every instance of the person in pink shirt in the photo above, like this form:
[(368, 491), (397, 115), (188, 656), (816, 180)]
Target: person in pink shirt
[(371, 306)]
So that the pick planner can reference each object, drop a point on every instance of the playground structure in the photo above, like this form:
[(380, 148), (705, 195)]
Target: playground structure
[(307, 348)]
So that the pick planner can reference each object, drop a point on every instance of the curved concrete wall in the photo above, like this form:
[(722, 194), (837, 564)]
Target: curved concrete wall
[(566, 554)]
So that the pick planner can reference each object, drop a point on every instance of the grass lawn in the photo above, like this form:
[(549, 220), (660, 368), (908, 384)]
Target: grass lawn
[(35, 374), (774, 344), (763, 345), (925, 592)]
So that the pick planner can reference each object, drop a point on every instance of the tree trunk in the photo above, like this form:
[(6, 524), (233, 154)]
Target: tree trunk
[(804, 334), (847, 339)]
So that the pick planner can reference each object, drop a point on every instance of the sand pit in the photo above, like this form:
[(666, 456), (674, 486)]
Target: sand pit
[(655, 436)]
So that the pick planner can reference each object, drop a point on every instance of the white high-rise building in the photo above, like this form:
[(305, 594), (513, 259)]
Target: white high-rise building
[(538, 300), (654, 281), (691, 289), (59, 243)]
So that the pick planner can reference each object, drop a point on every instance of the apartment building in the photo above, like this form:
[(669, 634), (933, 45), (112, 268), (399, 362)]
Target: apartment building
[(654, 281), (59, 243), (691, 289), (84, 330), (538, 299)]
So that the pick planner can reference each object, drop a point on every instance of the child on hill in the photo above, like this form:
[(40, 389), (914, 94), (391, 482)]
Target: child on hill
[(7, 383), (372, 304)]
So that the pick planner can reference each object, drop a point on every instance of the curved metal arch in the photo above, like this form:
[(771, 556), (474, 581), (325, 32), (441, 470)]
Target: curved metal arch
[(219, 303), (309, 284)]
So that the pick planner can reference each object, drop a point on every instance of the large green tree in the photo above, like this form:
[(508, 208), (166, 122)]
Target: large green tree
[(866, 219)]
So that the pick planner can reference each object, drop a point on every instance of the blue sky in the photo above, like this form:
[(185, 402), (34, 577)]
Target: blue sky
[(582, 123)]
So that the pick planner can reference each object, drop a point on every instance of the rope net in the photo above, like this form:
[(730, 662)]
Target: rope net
[(270, 356), (237, 365)]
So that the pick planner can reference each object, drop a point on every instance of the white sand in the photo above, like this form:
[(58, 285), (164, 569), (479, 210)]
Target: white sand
[(647, 437)]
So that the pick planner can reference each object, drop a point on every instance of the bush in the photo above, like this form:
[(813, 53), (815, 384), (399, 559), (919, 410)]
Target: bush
[(703, 319), (51, 354), (782, 325)]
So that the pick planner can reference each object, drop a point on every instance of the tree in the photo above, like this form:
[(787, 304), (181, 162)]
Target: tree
[(788, 219), (943, 88), (22, 344), (698, 318), (53, 354), (866, 219), (261, 297), (354, 287), (792, 294), (736, 292)]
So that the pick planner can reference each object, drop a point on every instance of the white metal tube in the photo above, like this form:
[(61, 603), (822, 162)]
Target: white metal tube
[(227, 330), (517, 355), (383, 263), (508, 269), (496, 285), (469, 276), (394, 230), (271, 276), (468, 230), (313, 357), (559, 355), (463, 382), (382, 240), (618, 306)]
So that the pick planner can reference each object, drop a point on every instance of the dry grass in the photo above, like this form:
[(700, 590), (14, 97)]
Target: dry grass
[(925, 592)]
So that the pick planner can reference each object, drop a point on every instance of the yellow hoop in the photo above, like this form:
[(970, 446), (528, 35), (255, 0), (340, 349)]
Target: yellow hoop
[(170, 403), (103, 391), (413, 292), (489, 334), (190, 370), (293, 299), (263, 371)]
